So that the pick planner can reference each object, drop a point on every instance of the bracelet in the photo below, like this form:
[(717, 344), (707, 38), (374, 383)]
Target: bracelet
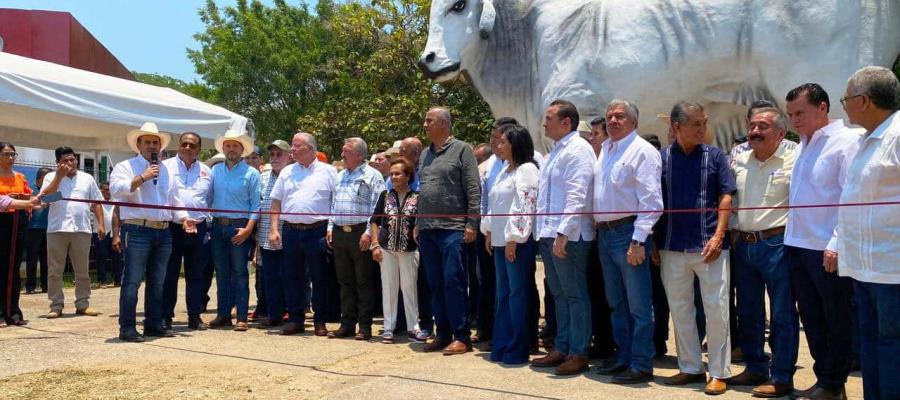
[(142, 178)]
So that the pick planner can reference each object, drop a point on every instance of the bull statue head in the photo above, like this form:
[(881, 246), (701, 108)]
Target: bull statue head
[(451, 35)]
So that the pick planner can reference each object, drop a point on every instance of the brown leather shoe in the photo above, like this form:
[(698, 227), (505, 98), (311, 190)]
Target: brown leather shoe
[(746, 378), (364, 334), (241, 326), (715, 387), (87, 311), (54, 314), (291, 328), (437, 344), (683, 378), (572, 366), (773, 389), (457, 347), (342, 332), (220, 322), (554, 359), (320, 330)]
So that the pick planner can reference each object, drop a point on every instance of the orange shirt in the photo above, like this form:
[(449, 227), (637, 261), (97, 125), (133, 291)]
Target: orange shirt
[(16, 184)]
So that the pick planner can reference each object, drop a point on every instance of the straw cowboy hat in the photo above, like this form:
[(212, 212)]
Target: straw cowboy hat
[(148, 128), (239, 137)]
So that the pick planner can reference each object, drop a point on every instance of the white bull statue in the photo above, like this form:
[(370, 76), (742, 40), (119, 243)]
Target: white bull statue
[(522, 54)]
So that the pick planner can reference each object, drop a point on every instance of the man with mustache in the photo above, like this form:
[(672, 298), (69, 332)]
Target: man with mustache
[(763, 176)]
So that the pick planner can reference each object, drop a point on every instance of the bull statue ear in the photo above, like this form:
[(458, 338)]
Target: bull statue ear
[(488, 16)]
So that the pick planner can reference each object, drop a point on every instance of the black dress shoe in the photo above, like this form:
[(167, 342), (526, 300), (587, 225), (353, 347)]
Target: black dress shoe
[(167, 324), (292, 328), (197, 324), (131, 337), (342, 332), (159, 332), (611, 366), (632, 376)]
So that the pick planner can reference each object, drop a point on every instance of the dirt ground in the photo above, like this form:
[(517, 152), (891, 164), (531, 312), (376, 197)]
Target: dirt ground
[(78, 357)]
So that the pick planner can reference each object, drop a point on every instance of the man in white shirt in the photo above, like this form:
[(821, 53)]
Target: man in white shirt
[(306, 186), (564, 240), (146, 238), (193, 180), (867, 238), (627, 177), (69, 231), (823, 297)]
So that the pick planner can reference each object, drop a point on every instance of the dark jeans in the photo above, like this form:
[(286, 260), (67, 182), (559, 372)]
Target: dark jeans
[(109, 261), (271, 260), (823, 301), (191, 248), (354, 274), (601, 330), (487, 290), (442, 254), (147, 252), (304, 252), (879, 334), (259, 280), (36, 251), (232, 276), (762, 267), (513, 314), (567, 278), (470, 260)]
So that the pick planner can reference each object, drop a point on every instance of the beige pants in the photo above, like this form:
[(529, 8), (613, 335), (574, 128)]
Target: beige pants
[(77, 245), (678, 272)]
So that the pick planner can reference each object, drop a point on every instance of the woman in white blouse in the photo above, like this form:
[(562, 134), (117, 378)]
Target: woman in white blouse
[(507, 229)]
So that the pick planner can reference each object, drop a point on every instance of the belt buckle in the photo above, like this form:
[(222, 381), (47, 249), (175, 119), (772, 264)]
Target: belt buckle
[(749, 237), (347, 228)]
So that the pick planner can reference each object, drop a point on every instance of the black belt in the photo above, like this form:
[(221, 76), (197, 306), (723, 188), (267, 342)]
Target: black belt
[(230, 221), (351, 228), (609, 225), (753, 237), (303, 227)]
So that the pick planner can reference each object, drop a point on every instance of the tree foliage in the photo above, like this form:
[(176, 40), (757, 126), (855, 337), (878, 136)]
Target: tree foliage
[(344, 69)]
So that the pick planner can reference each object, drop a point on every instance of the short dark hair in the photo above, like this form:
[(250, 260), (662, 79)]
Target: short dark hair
[(520, 143), (599, 121), (194, 134), (759, 104), (405, 164), (503, 121), (483, 147), (653, 139), (41, 172), (815, 95), (566, 109), (63, 151), (4, 145)]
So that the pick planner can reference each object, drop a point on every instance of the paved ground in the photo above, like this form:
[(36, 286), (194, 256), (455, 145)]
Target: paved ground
[(80, 358)]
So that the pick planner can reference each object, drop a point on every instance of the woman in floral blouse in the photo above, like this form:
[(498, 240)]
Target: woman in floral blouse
[(507, 229), (394, 247)]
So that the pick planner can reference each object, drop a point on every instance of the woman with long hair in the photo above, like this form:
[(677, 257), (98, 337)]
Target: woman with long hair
[(13, 224)]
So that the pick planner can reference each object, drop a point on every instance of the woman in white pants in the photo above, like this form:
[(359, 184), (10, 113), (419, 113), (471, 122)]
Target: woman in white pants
[(394, 247)]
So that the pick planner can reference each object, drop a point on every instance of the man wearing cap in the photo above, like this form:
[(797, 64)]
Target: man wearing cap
[(355, 195), (305, 188), (270, 253), (146, 238), (235, 187), (193, 180)]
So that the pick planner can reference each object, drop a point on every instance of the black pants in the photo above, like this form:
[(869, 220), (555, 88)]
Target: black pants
[(602, 344), (487, 290), (354, 275), (194, 251), (36, 252), (470, 258), (12, 245), (823, 301)]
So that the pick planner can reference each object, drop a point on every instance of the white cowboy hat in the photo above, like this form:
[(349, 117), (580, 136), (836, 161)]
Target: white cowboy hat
[(148, 128), (239, 137)]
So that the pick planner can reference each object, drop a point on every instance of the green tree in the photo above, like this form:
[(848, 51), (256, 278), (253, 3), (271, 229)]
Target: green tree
[(194, 89)]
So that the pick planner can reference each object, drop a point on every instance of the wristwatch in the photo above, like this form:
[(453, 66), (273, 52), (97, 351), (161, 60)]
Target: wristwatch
[(635, 243)]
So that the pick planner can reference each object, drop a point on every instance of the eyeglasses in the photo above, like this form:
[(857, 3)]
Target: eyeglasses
[(189, 145), (845, 98), (9, 154)]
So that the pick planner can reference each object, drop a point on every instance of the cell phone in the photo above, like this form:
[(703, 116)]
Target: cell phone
[(51, 197)]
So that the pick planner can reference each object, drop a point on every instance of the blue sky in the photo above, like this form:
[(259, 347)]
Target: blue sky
[(145, 35)]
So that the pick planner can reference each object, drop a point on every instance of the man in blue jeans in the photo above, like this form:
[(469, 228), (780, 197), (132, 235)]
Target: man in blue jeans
[(146, 239), (763, 177), (235, 187), (564, 240), (627, 177), (305, 187), (867, 244), (450, 184)]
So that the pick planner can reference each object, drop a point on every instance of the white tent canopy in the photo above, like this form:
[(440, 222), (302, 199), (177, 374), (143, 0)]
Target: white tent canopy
[(47, 105)]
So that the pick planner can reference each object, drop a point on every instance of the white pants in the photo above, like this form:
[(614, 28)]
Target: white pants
[(399, 270), (678, 271)]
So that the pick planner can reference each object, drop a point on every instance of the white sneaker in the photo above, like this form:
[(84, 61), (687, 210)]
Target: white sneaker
[(422, 336), (387, 337)]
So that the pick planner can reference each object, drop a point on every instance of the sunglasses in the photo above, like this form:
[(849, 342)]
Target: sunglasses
[(187, 145)]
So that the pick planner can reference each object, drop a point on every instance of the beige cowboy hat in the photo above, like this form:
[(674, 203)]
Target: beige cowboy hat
[(148, 128), (239, 137)]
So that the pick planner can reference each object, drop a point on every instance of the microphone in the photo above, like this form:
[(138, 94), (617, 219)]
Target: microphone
[(154, 160)]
